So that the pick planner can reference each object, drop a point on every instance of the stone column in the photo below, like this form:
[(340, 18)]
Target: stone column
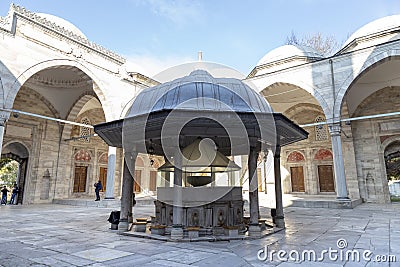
[(4, 115), (338, 163), (177, 228), (279, 219), (254, 228), (127, 191), (111, 172)]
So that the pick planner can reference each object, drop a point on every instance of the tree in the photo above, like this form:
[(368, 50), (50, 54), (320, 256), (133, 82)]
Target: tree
[(326, 45), (8, 172)]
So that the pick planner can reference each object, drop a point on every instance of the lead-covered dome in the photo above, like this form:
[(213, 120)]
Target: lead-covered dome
[(376, 26), (289, 51), (200, 91), (62, 23)]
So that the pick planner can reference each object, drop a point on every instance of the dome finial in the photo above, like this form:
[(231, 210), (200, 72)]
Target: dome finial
[(200, 56)]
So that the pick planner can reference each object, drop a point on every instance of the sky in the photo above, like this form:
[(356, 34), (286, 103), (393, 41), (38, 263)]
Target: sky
[(156, 34)]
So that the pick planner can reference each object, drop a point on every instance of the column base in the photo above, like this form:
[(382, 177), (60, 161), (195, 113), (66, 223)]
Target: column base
[(343, 199), (254, 230), (123, 225), (109, 198), (177, 233), (280, 222)]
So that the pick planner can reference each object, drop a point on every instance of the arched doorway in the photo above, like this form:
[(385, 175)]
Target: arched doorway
[(61, 92), (392, 162), (295, 162), (19, 153), (324, 164)]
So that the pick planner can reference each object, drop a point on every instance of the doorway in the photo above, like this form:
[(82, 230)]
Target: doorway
[(80, 179), (103, 178), (297, 178), (325, 176), (17, 152)]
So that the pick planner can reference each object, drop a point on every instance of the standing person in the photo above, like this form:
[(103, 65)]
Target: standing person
[(4, 192), (14, 192), (98, 186)]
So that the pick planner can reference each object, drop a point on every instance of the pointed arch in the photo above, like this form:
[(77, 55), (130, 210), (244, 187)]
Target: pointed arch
[(370, 63), (98, 85), (302, 86), (74, 111)]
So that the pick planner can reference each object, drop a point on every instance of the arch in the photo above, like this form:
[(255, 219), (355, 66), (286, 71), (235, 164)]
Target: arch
[(5, 72), (370, 63), (19, 152), (290, 112), (304, 86), (103, 158), (74, 111), (139, 162), (295, 156), (323, 155), (388, 141), (44, 100), (82, 155), (28, 73), (16, 148)]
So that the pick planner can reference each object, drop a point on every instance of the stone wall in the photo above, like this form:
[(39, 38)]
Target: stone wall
[(369, 136)]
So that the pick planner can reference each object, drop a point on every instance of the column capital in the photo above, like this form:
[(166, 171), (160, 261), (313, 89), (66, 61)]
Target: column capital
[(335, 128), (4, 116)]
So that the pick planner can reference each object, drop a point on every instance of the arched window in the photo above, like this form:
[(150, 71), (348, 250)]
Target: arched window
[(85, 131), (321, 131)]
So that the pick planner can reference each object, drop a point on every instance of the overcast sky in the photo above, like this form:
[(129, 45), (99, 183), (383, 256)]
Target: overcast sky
[(156, 34)]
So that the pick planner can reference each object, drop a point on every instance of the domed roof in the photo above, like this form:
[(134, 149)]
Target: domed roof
[(378, 25), (215, 69), (287, 51), (62, 23), (200, 91)]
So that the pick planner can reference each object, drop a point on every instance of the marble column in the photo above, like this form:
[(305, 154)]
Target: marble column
[(4, 115), (111, 172), (254, 228), (279, 219), (127, 191), (177, 228), (338, 163)]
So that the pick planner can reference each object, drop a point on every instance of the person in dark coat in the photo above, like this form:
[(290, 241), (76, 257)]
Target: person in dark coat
[(14, 193), (98, 186), (4, 192)]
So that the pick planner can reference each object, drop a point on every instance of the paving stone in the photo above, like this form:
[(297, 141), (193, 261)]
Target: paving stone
[(69, 240)]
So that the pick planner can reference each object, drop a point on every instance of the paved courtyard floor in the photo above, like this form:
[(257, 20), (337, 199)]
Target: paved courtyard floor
[(59, 235)]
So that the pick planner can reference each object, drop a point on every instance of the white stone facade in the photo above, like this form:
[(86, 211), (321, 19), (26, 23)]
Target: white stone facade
[(48, 67)]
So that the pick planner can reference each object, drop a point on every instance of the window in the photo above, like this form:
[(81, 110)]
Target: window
[(321, 131), (85, 131)]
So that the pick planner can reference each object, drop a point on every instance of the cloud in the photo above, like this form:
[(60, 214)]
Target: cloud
[(150, 65), (180, 12)]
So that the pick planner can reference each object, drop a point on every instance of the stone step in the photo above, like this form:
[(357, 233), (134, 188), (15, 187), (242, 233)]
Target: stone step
[(104, 203)]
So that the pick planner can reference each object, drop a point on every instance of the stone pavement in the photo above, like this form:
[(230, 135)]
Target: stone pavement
[(60, 235)]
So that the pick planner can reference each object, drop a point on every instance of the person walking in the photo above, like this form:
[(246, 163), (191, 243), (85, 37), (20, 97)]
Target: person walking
[(14, 193), (98, 186), (4, 192)]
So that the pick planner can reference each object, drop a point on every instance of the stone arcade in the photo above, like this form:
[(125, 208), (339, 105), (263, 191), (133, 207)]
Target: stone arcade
[(49, 68)]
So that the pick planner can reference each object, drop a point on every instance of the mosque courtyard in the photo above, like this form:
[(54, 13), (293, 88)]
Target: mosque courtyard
[(63, 235)]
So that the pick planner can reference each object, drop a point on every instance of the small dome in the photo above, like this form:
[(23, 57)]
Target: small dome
[(287, 51), (200, 91), (215, 69), (375, 26), (62, 23)]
